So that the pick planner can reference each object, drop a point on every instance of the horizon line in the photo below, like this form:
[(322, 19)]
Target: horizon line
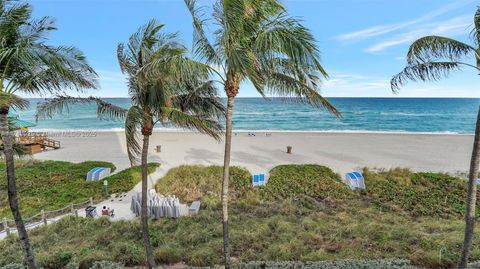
[(279, 97)]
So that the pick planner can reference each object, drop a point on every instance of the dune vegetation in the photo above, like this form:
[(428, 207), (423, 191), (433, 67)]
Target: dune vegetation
[(303, 214), (50, 185)]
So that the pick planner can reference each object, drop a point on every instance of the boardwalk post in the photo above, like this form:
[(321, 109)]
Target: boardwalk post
[(44, 219), (72, 209), (5, 226), (76, 213), (91, 201)]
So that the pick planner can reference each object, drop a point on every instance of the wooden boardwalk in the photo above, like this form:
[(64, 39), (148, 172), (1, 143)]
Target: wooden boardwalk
[(40, 139)]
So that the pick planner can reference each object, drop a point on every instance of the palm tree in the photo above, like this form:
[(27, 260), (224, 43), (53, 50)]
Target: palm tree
[(431, 58), (29, 66), (257, 41), (166, 88)]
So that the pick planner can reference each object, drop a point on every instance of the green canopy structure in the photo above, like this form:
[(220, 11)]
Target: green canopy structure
[(17, 123)]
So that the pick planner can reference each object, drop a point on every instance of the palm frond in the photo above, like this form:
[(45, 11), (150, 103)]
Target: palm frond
[(252, 38), (429, 71), (13, 15), (31, 66), (293, 90), (18, 149), (133, 120), (61, 104), (286, 35), (433, 48), (200, 123), (201, 45), (476, 28), (163, 84), (201, 100), (13, 101)]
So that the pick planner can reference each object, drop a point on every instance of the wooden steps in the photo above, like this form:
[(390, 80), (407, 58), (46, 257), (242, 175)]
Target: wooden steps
[(47, 142), (33, 141)]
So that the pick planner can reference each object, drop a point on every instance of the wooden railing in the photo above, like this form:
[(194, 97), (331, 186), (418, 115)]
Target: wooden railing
[(40, 139), (44, 216), (47, 142)]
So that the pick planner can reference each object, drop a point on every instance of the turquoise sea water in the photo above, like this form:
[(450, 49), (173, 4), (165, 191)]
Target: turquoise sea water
[(437, 115)]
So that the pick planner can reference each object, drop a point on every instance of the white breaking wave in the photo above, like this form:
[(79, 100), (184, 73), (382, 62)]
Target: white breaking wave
[(174, 130)]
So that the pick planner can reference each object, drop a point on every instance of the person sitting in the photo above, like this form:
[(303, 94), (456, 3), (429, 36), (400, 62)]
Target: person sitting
[(104, 211)]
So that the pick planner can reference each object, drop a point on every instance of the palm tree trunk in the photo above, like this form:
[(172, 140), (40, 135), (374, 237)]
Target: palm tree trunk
[(471, 198), (226, 171), (12, 189), (144, 213)]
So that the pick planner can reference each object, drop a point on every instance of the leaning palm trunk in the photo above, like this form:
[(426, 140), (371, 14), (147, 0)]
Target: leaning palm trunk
[(12, 189), (144, 213), (226, 172), (471, 197)]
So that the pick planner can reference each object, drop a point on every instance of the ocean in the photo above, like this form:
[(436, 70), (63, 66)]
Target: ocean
[(425, 115)]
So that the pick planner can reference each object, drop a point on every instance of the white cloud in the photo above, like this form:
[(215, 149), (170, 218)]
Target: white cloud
[(107, 75), (451, 27), (379, 30), (112, 84), (343, 84)]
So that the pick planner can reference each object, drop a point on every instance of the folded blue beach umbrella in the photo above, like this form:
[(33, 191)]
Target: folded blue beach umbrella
[(261, 180), (255, 180), (355, 180)]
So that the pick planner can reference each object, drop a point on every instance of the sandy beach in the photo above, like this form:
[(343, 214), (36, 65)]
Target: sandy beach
[(342, 152)]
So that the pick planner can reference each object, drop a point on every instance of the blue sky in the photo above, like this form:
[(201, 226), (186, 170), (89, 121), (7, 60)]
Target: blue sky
[(363, 42)]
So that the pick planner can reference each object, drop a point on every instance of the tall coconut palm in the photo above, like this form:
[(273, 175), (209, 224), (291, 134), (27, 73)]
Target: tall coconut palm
[(257, 41), (166, 88), (431, 58), (28, 65)]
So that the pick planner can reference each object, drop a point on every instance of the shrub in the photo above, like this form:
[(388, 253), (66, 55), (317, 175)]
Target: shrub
[(128, 253), (194, 182), (14, 266), (341, 264), (54, 259), (204, 256), (87, 260), (296, 181), (167, 255), (125, 180), (107, 265), (51, 185), (284, 231), (419, 194)]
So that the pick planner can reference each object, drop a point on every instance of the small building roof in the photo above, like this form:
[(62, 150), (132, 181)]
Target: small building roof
[(18, 123)]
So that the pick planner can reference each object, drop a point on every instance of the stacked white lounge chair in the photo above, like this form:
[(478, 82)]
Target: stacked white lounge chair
[(158, 206)]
